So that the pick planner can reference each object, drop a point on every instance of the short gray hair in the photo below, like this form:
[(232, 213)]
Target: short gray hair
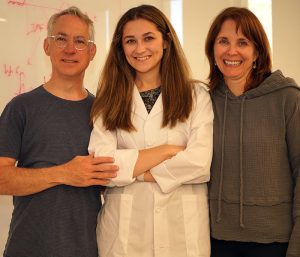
[(72, 11)]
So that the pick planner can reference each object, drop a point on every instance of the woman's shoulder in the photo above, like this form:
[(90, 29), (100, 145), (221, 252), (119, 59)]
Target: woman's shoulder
[(200, 87)]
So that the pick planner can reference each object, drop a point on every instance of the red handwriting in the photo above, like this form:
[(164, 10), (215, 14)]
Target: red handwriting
[(8, 71), (11, 71), (15, 2), (36, 28), (24, 3), (21, 89)]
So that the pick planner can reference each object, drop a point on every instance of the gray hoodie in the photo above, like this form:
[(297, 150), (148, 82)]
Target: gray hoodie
[(255, 175)]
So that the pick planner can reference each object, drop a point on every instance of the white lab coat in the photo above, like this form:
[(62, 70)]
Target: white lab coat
[(165, 219)]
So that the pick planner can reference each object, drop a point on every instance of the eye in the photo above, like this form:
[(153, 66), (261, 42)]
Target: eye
[(148, 38), (243, 43), (60, 38), (223, 41), (130, 41), (80, 41)]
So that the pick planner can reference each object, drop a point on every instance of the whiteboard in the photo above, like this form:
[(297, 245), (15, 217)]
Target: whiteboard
[(23, 27)]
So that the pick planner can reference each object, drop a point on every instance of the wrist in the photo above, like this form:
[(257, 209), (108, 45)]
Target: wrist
[(148, 177), (167, 152), (141, 177)]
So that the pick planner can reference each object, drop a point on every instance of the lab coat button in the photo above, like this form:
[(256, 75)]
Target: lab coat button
[(157, 210)]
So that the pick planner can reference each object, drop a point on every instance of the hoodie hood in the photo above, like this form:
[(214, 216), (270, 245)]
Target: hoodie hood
[(274, 82)]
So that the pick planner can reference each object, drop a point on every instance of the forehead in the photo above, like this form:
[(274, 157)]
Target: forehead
[(138, 27), (70, 25), (229, 27)]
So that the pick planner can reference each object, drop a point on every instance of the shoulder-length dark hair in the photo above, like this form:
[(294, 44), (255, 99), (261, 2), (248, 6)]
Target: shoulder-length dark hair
[(254, 31), (115, 89)]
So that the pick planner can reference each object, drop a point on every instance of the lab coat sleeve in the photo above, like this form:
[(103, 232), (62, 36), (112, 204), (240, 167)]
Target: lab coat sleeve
[(191, 166), (104, 143)]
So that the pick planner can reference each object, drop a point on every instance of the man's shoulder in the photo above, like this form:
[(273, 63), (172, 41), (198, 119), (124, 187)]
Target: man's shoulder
[(28, 96)]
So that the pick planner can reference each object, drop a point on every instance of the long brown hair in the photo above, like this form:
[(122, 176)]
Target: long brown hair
[(115, 89), (254, 31)]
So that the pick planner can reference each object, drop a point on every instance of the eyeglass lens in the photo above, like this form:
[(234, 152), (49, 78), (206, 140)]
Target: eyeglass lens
[(80, 43)]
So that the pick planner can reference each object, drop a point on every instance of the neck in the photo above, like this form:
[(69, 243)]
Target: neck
[(236, 87), (147, 82), (67, 89)]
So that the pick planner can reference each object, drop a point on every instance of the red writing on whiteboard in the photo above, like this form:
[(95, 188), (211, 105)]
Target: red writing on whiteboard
[(8, 71), (15, 2), (36, 28), (11, 71)]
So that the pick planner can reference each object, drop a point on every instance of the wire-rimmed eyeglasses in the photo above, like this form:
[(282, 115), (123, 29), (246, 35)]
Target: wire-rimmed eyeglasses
[(61, 41)]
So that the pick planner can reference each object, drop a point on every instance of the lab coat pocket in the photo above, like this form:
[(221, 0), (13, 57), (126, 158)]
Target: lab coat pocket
[(113, 225), (196, 222)]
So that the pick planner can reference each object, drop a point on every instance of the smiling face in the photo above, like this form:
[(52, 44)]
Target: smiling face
[(69, 62), (234, 55), (143, 47)]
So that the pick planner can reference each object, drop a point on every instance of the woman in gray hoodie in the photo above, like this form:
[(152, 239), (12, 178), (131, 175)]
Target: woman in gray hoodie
[(255, 175)]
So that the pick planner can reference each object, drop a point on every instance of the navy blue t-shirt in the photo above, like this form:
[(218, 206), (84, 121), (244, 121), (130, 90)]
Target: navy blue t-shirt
[(41, 130)]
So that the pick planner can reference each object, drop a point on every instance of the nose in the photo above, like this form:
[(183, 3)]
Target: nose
[(232, 49), (140, 47), (70, 47)]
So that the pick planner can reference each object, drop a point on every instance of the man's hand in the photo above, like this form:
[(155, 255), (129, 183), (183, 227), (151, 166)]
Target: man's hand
[(88, 170)]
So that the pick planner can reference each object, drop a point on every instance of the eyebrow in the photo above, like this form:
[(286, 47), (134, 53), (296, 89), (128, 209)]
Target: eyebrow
[(61, 33), (66, 35), (144, 35), (239, 39)]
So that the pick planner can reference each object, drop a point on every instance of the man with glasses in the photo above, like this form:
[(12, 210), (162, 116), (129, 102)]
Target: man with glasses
[(44, 162)]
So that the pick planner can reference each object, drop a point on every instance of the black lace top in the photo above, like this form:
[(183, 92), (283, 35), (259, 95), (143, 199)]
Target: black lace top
[(149, 97)]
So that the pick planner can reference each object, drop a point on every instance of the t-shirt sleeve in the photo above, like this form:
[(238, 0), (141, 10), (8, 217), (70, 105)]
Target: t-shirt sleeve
[(11, 129)]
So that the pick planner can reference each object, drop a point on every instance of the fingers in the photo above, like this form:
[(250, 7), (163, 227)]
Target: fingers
[(102, 159), (105, 167), (100, 182), (105, 175), (103, 178)]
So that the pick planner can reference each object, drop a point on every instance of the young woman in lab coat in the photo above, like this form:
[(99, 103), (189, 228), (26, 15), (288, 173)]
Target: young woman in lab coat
[(157, 124)]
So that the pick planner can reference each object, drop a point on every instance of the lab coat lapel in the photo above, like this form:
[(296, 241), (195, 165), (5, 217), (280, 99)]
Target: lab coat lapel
[(140, 109)]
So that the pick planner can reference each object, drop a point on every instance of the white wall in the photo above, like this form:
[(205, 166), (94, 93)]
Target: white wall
[(286, 37), (197, 15)]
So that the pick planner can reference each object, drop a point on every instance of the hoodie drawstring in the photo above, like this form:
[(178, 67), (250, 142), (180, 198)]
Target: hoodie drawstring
[(241, 167), (219, 212), (222, 161)]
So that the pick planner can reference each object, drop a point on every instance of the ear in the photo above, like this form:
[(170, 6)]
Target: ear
[(46, 46), (93, 50)]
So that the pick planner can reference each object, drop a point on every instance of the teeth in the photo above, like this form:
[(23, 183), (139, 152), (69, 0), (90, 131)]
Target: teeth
[(233, 62), (142, 58)]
